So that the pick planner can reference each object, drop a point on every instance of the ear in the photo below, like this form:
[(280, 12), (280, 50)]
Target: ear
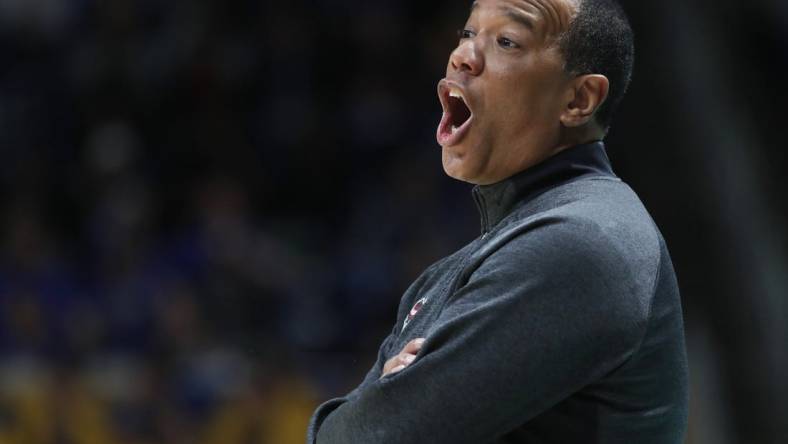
[(583, 97)]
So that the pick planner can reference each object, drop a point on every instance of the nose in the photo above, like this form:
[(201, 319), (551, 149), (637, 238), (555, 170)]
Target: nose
[(467, 58)]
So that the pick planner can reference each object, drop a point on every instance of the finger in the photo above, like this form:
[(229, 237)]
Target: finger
[(413, 346), (391, 363), (391, 371), (406, 359)]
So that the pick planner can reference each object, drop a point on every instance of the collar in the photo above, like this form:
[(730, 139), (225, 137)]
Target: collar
[(496, 201)]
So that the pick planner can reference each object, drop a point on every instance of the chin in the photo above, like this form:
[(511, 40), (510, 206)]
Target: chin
[(456, 175), (458, 167)]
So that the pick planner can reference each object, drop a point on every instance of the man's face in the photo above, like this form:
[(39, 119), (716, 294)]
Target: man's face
[(505, 89)]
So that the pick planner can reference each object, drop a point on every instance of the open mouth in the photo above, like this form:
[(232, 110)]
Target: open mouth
[(457, 115)]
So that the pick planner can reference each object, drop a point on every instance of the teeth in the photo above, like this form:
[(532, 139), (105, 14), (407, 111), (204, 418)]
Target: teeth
[(456, 94), (453, 129)]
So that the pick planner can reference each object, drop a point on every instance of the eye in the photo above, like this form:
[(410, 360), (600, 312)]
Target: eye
[(503, 42), (463, 34)]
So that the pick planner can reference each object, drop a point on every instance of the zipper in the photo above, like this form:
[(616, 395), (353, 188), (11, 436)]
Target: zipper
[(482, 206)]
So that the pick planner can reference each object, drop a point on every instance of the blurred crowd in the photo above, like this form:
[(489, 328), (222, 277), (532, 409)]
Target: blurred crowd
[(196, 210), (209, 210)]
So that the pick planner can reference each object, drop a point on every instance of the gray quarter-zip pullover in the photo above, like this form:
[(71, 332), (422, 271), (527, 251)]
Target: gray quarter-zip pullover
[(561, 324)]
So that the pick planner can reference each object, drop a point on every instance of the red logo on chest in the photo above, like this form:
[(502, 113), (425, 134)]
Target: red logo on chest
[(413, 311)]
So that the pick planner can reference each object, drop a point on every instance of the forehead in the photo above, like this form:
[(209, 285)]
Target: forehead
[(548, 17)]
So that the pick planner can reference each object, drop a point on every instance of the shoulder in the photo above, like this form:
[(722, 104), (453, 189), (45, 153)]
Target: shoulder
[(589, 229), (603, 215)]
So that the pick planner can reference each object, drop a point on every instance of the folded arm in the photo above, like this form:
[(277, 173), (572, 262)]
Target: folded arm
[(543, 316)]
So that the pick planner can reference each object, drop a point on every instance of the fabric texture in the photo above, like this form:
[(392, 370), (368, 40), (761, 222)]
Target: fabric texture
[(561, 323)]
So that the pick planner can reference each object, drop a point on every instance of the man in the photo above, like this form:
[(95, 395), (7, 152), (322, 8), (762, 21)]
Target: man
[(562, 322)]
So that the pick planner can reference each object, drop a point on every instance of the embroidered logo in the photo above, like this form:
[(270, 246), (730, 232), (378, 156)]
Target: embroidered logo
[(413, 311)]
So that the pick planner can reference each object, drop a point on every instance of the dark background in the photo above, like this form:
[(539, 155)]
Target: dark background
[(210, 209)]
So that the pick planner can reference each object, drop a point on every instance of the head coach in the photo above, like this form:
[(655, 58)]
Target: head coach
[(561, 323)]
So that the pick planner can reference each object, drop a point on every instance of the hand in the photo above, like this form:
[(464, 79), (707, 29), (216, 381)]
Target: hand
[(404, 358)]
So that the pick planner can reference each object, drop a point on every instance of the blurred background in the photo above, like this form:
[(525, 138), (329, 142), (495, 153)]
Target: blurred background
[(210, 209)]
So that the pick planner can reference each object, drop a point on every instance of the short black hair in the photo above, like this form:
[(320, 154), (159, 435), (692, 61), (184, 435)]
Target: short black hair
[(600, 41)]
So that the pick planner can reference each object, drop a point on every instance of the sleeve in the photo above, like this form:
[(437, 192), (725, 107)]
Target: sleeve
[(549, 312), (329, 406)]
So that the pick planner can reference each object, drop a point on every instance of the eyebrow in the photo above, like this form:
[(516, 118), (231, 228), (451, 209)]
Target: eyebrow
[(512, 14), (519, 18)]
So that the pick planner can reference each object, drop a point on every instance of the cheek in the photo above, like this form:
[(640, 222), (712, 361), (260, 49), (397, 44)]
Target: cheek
[(536, 103), (514, 97), (517, 108), (506, 108), (532, 89)]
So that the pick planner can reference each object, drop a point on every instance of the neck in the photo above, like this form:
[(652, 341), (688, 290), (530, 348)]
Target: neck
[(569, 137)]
